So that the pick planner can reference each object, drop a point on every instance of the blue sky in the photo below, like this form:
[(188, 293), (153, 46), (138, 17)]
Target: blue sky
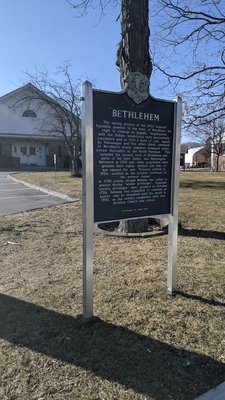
[(46, 33), (36, 33)]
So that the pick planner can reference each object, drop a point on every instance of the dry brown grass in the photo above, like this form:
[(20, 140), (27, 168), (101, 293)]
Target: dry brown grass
[(62, 182), (149, 345)]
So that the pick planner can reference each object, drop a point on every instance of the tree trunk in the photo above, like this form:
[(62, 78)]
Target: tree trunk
[(133, 226), (217, 162), (133, 52), (133, 56), (74, 167), (73, 160)]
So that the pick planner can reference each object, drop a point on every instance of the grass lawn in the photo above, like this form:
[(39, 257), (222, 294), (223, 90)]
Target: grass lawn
[(61, 181), (148, 345)]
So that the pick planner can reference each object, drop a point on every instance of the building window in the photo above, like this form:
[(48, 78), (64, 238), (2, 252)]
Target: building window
[(32, 151), (23, 150), (29, 113), (0, 148), (15, 149)]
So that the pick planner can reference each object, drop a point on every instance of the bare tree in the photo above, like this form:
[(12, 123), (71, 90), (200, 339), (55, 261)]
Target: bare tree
[(132, 55), (213, 133), (62, 98), (133, 51), (217, 141), (194, 33)]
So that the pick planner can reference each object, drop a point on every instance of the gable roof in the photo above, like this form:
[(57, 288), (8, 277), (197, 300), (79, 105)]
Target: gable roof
[(12, 109), (18, 90), (12, 122)]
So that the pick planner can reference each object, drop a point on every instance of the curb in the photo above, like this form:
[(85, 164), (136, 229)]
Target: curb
[(47, 191)]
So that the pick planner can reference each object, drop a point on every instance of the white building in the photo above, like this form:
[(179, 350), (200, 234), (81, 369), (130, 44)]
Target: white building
[(24, 135), (189, 156)]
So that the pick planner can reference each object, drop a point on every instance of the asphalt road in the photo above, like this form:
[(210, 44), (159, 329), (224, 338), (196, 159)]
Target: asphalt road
[(15, 197)]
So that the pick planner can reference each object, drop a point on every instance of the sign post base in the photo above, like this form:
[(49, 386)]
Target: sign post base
[(88, 321)]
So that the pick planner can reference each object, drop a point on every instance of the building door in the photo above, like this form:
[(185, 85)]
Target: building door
[(30, 154), (41, 155)]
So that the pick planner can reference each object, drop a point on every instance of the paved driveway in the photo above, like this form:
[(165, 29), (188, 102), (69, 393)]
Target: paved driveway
[(15, 197)]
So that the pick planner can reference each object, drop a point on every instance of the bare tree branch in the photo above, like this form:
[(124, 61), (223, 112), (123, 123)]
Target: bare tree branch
[(196, 30), (81, 8)]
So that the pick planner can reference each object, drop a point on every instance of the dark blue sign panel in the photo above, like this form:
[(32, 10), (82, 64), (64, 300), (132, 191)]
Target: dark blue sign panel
[(133, 152)]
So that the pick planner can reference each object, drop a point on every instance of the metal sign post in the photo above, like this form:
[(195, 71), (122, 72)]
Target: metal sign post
[(173, 217), (54, 161), (87, 193)]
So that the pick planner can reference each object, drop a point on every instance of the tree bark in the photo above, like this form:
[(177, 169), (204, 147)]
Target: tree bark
[(133, 226), (133, 52), (133, 56), (74, 167), (217, 162)]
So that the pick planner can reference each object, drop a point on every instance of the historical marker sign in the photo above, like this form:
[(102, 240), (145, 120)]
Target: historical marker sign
[(131, 158), (133, 153)]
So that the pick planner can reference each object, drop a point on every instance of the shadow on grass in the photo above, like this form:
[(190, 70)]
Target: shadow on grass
[(215, 185), (211, 302), (202, 233), (112, 352)]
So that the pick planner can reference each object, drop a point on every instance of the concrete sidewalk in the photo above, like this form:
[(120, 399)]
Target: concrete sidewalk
[(16, 196), (217, 393), (41, 189)]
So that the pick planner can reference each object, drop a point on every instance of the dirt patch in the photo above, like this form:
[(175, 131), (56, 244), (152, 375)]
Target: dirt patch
[(148, 345)]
